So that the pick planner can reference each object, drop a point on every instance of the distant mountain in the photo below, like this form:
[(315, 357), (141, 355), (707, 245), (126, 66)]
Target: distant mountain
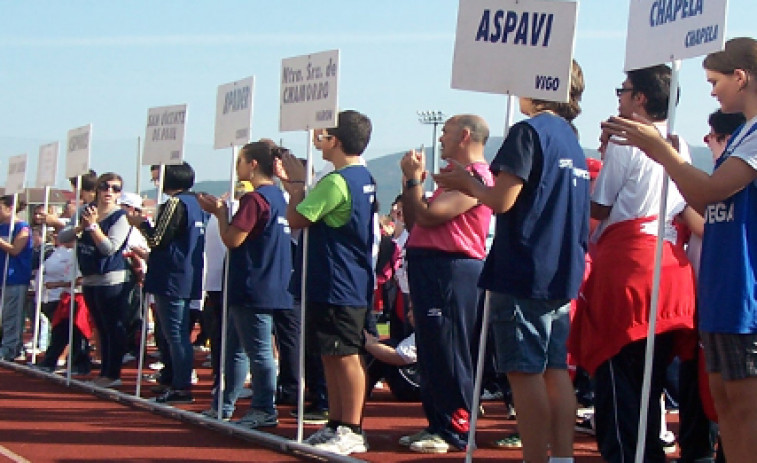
[(386, 171)]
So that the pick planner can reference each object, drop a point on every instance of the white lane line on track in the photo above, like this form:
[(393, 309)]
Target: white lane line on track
[(12, 456)]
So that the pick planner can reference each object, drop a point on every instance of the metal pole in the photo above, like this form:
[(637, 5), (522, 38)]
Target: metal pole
[(72, 289), (649, 355), (40, 283), (138, 184)]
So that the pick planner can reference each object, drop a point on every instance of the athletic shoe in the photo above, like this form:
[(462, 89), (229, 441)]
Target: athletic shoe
[(510, 441), (104, 381), (405, 441), (194, 379), (128, 357), (245, 393), (432, 443), (174, 396), (486, 394), (668, 442), (160, 389), (324, 434), (585, 426), (258, 419), (345, 442), (41, 367), (213, 413), (313, 415)]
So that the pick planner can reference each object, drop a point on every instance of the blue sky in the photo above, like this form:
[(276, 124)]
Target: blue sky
[(67, 64)]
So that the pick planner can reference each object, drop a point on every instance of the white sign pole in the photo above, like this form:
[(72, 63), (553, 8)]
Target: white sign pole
[(72, 289), (46, 170), (646, 384)]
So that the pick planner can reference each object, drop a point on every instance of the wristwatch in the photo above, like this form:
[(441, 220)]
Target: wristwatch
[(413, 182)]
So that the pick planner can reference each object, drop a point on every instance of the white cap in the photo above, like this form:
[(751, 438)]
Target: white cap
[(130, 199)]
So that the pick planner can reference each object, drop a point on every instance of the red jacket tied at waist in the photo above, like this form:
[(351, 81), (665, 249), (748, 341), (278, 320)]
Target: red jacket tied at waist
[(82, 317)]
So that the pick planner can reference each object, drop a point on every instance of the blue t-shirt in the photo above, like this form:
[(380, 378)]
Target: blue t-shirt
[(540, 243), (727, 282), (20, 266)]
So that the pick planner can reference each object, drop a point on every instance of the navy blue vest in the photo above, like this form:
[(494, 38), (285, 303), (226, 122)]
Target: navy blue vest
[(91, 260), (340, 262), (175, 270), (260, 268), (540, 243)]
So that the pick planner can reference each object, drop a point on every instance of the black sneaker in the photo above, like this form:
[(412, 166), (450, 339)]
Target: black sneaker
[(174, 396), (313, 415)]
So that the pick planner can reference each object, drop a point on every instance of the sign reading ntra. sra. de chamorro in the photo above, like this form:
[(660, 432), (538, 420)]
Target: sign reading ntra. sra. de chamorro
[(522, 47), (661, 31), (309, 91)]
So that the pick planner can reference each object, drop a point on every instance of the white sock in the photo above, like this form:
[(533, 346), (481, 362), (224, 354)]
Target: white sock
[(560, 459)]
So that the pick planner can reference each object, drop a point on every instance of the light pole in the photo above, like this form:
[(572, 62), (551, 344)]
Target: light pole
[(435, 118)]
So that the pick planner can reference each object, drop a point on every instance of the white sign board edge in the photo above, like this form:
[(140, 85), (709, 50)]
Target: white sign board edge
[(78, 145), (16, 174), (661, 32), (47, 165), (234, 113), (309, 91), (515, 47), (164, 135)]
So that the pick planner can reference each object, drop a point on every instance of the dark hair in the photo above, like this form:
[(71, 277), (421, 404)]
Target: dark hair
[(724, 124), (572, 108), (353, 131), (739, 53), (88, 181), (7, 200), (654, 83), (178, 177), (263, 153)]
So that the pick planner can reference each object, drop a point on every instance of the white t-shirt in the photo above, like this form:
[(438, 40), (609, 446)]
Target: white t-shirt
[(215, 252), (58, 267), (631, 183)]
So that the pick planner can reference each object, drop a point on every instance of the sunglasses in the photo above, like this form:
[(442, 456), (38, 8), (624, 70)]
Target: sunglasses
[(109, 186), (622, 90)]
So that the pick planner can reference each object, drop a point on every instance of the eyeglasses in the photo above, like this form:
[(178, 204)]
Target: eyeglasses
[(109, 186), (323, 136), (712, 136), (622, 90)]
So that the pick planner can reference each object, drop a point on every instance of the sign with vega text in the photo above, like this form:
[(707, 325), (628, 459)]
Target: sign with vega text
[(16, 174), (309, 91), (77, 151), (516, 47), (47, 165), (661, 31), (234, 113), (164, 137)]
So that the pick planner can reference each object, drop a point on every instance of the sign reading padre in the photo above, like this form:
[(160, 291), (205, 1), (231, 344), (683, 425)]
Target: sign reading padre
[(234, 113), (660, 31), (164, 137), (47, 165), (309, 91), (517, 47), (16, 174), (77, 151)]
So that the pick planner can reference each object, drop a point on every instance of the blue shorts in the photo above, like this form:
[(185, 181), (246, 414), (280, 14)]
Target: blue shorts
[(530, 335)]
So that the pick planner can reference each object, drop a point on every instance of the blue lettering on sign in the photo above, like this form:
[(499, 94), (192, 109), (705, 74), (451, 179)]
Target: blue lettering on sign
[(499, 27), (700, 36), (666, 11), (547, 83)]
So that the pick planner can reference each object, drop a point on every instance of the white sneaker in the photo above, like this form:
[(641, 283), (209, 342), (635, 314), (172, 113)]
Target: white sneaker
[(433, 443), (345, 442), (405, 441), (245, 393), (156, 366), (324, 434)]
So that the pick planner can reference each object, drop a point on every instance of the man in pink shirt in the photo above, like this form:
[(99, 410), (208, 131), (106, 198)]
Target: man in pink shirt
[(445, 253)]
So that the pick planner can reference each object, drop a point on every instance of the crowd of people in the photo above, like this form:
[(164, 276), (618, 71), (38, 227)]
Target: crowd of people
[(567, 280)]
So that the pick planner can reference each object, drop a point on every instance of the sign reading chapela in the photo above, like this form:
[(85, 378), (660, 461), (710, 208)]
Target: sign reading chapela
[(309, 90), (77, 151), (234, 113), (164, 137), (16, 174), (47, 165), (516, 47), (661, 31)]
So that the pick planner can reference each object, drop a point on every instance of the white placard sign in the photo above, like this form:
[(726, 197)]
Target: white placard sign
[(234, 113), (309, 91), (661, 31), (16, 174), (47, 165), (77, 151), (164, 137), (516, 47)]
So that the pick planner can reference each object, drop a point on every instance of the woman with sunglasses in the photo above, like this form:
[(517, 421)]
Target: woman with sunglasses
[(102, 234)]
